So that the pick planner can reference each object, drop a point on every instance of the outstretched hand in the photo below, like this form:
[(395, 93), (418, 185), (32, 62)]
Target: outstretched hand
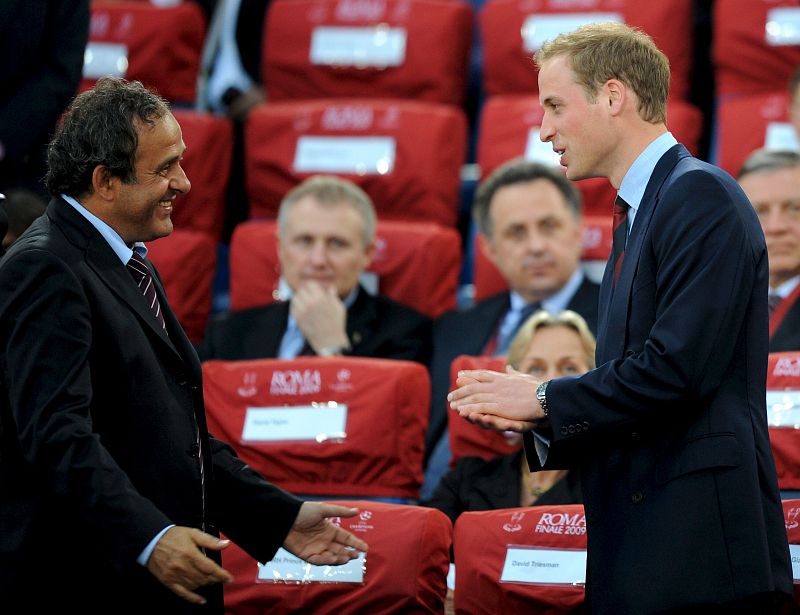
[(494, 400), (316, 540)]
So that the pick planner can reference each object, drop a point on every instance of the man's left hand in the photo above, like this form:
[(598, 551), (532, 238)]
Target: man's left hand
[(316, 540)]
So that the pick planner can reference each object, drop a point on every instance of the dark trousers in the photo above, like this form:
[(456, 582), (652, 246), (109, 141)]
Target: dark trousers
[(760, 604)]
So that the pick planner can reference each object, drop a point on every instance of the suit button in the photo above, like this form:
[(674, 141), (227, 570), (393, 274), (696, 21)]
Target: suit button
[(578, 427), (181, 379), (637, 497), (586, 425), (564, 430), (634, 435), (572, 429), (194, 450), (629, 353)]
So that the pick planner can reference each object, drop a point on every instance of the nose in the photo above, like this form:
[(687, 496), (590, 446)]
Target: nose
[(546, 130), (773, 221), (180, 182), (318, 254), (536, 243)]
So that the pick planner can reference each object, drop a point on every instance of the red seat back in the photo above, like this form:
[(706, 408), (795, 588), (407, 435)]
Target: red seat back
[(392, 49), (756, 45), (487, 543), (417, 264), (747, 123), (405, 569), (386, 416), (406, 155), (186, 262), (207, 163), (159, 46), (783, 414), (466, 439), (513, 29), (791, 515)]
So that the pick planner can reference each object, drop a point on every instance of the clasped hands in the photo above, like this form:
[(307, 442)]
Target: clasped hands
[(495, 400), (179, 563)]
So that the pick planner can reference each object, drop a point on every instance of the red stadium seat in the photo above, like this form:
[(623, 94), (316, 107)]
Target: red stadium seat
[(466, 439), (596, 247), (186, 262), (158, 46), (756, 45), (747, 123), (783, 414), (501, 558), (345, 427), (406, 155), (207, 163), (512, 30), (391, 49), (791, 515), (509, 129), (405, 569), (416, 264)]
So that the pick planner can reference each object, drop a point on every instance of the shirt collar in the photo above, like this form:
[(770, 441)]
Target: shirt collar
[(556, 302), (121, 249), (785, 289), (635, 181)]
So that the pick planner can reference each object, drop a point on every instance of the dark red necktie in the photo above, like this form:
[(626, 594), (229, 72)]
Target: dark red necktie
[(141, 275), (620, 234)]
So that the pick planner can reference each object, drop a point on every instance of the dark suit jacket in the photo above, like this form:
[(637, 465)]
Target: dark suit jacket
[(787, 337), (469, 331), (41, 59), (99, 408), (477, 484), (670, 431), (376, 326)]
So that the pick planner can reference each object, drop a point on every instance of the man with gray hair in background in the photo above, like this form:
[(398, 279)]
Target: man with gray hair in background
[(326, 240), (771, 180)]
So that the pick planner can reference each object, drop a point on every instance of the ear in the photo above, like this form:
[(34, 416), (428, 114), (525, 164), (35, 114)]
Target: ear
[(104, 184), (614, 95), (369, 253), (487, 247)]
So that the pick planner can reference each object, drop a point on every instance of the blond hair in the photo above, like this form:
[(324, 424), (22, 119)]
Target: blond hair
[(540, 320), (601, 51)]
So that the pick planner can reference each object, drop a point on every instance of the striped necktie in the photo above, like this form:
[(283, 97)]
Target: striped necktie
[(620, 234), (137, 267)]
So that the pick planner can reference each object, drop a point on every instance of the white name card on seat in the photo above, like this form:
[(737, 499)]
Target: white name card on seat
[(319, 422), (353, 155), (781, 135), (783, 408), (544, 566), (374, 46), (285, 567), (105, 60), (794, 553), (539, 151), (536, 29), (783, 26)]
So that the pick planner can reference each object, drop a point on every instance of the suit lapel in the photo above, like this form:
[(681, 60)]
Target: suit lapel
[(105, 263), (360, 318), (615, 301)]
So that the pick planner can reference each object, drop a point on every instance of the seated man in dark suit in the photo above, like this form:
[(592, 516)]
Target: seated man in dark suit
[(326, 238), (771, 180), (529, 218)]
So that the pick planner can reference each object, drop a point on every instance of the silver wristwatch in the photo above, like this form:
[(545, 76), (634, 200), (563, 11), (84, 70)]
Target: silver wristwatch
[(541, 391)]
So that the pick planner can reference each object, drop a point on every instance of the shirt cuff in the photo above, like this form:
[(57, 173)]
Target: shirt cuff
[(542, 446), (144, 556)]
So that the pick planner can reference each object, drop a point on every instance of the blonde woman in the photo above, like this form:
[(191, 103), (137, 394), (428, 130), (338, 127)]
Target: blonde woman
[(547, 346)]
